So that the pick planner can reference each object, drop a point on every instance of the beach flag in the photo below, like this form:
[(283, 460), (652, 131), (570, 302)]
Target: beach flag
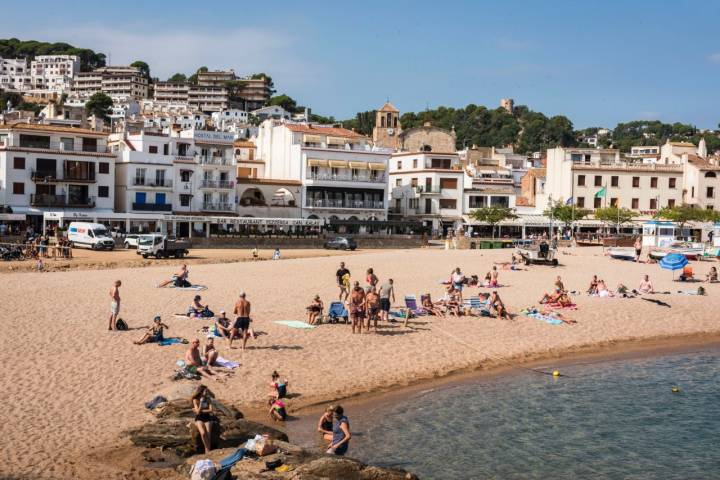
[(569, 201), (600, 193)]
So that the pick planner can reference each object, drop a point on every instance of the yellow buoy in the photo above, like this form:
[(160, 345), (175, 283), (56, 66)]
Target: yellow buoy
[(675, 389), (556, 373)]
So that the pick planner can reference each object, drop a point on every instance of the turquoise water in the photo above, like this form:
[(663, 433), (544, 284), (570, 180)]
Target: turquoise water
[(616, 419)]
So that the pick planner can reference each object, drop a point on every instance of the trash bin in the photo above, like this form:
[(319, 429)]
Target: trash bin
[(497, 245), (485, 245)]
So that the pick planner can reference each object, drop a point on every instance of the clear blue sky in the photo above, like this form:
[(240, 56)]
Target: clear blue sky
[(596, 62)]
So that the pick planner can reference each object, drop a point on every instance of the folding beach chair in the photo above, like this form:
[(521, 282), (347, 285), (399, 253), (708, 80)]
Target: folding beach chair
[(412, 306), (477, 306), (336, 311)]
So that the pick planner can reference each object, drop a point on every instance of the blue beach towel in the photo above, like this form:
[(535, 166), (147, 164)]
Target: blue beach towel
[(170, 341), (295, 324)]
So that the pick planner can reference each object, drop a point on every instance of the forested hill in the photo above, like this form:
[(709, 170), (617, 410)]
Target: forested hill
[(14, 48)]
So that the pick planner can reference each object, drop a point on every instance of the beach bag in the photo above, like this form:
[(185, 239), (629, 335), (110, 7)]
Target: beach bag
[(207, 313), (265, 447), (202, 470), (121, 325)]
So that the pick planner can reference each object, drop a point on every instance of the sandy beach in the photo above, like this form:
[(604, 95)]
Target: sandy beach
[(71, 387)]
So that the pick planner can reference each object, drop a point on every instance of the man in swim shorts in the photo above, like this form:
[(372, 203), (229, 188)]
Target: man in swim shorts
[(241, 327), (114, 304)]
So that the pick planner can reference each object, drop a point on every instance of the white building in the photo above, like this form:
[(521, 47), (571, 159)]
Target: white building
[(340, 175), (119, 82), (50, 168), (230, 119), (54, 72), (275, 112)]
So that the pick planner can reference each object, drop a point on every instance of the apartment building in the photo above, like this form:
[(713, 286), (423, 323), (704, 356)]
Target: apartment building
[(171, 92), (54, 72), (701, 185), (14, 74), (255, 92), (208, 98), (428, 187), (339, 175), (46, 168), (119, 82)]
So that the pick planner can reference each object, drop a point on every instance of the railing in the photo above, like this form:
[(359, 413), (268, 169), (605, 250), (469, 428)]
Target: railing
[(184, 158), (218, 207), (214, 160), (428, 190), (152, 207), (223, 184), (61, 146), (347, 178), (144, 182), (345, 204), (48, 200), (52, 176), (503, 180)]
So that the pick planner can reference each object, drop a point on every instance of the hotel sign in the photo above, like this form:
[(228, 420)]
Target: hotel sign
[(214, 137)]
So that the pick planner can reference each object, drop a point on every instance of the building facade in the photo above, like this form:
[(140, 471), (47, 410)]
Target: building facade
[(118, 82)]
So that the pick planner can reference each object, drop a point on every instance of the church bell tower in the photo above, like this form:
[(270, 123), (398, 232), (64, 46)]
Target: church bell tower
[(387, 127)]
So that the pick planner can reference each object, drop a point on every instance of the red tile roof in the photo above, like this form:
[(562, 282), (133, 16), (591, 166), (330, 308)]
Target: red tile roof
[(331, 131)]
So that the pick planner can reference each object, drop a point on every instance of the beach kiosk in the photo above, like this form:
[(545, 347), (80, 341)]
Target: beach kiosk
[(657, 233)]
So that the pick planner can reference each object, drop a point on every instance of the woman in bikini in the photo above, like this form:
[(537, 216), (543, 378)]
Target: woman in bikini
[(314, 310), (204, 417), (154, 333), (209, 353), (325, 423), (430, 307)]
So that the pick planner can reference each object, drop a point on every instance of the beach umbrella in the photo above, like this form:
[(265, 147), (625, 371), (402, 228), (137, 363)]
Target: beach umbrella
[(673, 261)]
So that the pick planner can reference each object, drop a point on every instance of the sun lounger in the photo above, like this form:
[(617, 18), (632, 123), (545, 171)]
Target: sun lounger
[(336, 311)]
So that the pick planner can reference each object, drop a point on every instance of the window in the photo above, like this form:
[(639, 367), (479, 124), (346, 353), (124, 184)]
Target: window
[(653, 182), (636, 182), (413, 182), (597, 202), (635, 203), (160, 178), (18, 188), (710, 192), (414, 162), (477, 201), (67, 144), (140, 197), (103, 191), (581, 202), (398, 182), (581, 180), (692, 192), (598, 180), (399, 165), (90, 145), (500, 202), (614, 202), (448, 203), (185, 175), (152, 149), (671, 182), (103, 167), (19, 163), (166, 149), (671, 202), (614, 181), (185, 200), (448, 183), (653, 204)]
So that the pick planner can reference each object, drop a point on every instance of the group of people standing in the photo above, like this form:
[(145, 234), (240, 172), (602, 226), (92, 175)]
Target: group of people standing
[(365, 305)]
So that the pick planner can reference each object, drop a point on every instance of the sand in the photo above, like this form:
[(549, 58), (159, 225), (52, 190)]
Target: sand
[(71, 387)]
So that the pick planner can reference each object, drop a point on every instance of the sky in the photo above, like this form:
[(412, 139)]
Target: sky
[(598, 63)]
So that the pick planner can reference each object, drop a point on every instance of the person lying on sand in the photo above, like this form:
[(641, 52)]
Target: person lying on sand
[(180, 279), (209, 353), (154, 332), (646, 285), (314, 310), (712, 276), (430, 308), (496, 303), (194, 359)]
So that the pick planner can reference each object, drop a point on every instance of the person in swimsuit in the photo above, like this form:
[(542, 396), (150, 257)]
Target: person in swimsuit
[(114, 304), (314, 310), (387, 292), (494, 276), (325, 423), (497, 304), (180, 279), (430, 307), (340, 433), (204, 417), (340, 275), (357, 307), (593, 288), (371, 279), (241, 327), (559, 284), (222, 325), (458, 280), (602, 290), (646, 285), (196, 308), (278, 411), (712, 276), (209, 353), (194, 361), (372, 307), (154, 333), (638, 249), (278, 387)]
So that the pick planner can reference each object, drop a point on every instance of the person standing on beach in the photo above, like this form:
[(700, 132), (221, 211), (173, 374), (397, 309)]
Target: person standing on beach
[(494, 276), (371, 279), (114, 304), (241, 327), (340, 275), (638, 249), (357, 307), (458, 280), (387, 292), (372, 307)]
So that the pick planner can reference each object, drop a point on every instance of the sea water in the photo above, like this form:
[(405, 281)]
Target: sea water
[(616, 420)]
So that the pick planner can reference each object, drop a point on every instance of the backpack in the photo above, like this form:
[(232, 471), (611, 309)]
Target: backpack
[(121, 325), (203, 470)]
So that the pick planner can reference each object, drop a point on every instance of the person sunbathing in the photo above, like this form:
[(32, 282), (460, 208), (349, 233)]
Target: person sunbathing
[(602, 290), (197, 309), (451, 301), (712, 276), (194, 361), (430, 307), (209, 352), (472, 281), (551, 297), (222, 325), (496, 303), (154, 332), (593, 288), (180, 279), (646, 285), (314, 310)]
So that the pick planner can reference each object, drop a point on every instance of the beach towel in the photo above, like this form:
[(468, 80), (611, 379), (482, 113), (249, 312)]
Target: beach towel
[(539, 316), (195, 288), (225, 363), (232, 459), (171, 341), (295, 324), (559, 306)]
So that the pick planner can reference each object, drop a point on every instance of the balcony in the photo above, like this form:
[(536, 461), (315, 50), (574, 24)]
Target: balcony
[(326, 177), (213, 160), (157, 183), (48, 200), (427, 190), (152, 207), (218, 207), (51, 176), (219, 184), (60, 147), (364, 204)]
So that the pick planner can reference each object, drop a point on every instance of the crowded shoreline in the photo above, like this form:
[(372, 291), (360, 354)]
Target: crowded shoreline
[(70, 337)]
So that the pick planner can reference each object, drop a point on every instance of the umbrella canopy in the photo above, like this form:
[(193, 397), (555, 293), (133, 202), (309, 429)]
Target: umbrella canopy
[(673, 261)]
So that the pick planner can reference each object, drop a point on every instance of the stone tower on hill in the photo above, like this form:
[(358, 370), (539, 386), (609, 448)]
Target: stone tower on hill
[(387, 127)]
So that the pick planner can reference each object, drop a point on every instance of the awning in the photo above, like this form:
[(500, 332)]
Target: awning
[(336, 141), (13, 217), (311, 139), (376, 223), (376, 166), (338, 164), (359, 165), (316, 162)]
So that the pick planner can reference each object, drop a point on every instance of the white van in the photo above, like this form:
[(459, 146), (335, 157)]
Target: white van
[(90, 235)]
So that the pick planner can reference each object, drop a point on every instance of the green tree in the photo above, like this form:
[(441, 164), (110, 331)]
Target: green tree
[(99, 105), (234, 89), (565, 213), (681, 214), (194, 77), (618, 216), (285, 102), (14, 48), (268, 79), (143, 67), (178, 78), (492, 215), (13, 98)]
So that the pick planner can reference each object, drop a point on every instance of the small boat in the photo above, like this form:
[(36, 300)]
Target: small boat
[(622, 253), (538, 254), (691, 250)]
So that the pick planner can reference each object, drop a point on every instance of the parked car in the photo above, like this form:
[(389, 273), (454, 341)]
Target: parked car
[(340, 243), (90, 235), (131, 241)]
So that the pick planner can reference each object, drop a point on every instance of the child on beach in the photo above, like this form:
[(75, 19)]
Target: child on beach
[(278, 387), (278, 411)]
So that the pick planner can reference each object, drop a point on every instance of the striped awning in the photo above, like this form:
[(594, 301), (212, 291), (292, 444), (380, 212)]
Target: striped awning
[(376, 166), (338, 164), (311, 139), (336, 141), (316, 162), (359, 165)]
